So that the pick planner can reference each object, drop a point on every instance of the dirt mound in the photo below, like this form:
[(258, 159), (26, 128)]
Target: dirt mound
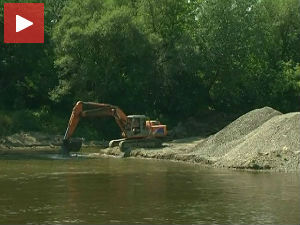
[(223, 141), (261, 139), (275, 144)]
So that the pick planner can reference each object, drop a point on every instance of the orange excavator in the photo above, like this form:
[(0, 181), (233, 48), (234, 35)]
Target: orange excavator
[(136, 130)]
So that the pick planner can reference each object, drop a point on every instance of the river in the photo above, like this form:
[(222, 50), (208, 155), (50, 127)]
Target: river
[(49, 189)]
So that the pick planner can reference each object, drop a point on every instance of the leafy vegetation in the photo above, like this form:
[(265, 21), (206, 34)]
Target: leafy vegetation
[(169, 59)]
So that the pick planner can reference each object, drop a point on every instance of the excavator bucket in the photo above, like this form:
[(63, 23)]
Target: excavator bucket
[(72, 145)]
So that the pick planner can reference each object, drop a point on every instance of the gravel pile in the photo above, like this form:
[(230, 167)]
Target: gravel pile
[(232, 135), (275, 145), (261, 139)]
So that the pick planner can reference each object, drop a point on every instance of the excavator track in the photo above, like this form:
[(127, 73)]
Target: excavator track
[(115, 143), (129, 144)]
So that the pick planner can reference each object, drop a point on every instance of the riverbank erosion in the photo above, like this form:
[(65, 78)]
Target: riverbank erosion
[(262, 139)]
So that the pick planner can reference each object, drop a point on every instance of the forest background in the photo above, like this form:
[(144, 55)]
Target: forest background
[(170, 59)]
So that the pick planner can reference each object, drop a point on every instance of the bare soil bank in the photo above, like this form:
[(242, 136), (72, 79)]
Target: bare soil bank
[(263, 139)]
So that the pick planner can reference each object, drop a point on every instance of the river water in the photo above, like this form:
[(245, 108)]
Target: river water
[(52, 190)]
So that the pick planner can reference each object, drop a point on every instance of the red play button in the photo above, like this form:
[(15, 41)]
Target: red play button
[(24, 22)]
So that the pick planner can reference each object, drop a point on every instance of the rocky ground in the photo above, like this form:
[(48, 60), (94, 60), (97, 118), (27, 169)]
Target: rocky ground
[(263, 139)]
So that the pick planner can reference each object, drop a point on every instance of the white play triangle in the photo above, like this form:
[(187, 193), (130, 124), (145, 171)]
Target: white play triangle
[(22, 23)]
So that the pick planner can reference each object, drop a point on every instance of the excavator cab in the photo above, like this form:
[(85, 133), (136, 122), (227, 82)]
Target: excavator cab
[(136, 126), (139, 126)]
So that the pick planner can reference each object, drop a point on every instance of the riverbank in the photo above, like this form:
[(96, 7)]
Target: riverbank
[(263, 139)]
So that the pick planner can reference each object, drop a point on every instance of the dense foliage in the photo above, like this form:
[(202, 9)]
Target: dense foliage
[(169, 59)]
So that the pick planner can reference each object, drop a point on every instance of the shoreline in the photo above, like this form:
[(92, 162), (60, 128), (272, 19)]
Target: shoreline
[(262, 139), (178, 154)]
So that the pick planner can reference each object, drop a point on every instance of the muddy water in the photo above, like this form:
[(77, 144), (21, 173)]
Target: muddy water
[(51, 190)]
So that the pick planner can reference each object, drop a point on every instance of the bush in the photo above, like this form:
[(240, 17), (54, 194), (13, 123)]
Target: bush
[(45, 121), (286, 88), (25, 120), (6, 124)]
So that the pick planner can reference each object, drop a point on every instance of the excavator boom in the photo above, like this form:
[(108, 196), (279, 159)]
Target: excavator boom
[(91, 109)]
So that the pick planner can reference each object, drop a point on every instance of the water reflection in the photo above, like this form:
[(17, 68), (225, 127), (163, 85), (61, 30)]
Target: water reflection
[(76, 190)]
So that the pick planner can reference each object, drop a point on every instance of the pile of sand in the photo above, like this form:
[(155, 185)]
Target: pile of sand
[(223, 141), (273, 145), (261, 139)]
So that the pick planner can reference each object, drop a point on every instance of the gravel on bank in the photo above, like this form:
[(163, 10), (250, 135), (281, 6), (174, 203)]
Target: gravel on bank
[(263, 139)]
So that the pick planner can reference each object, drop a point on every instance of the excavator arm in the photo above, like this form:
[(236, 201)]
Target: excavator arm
[(91, 109)]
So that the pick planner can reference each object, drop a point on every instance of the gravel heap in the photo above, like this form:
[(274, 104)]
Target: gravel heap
[(222, 142), (261, 139)]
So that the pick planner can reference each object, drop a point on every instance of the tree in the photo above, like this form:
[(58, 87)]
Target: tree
[(103, 57), (243, 50), (27, 72)]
